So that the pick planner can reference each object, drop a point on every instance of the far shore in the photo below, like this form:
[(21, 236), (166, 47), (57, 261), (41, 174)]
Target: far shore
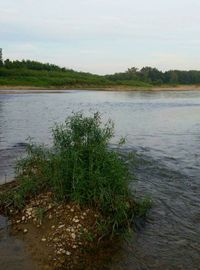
[(119, 88)]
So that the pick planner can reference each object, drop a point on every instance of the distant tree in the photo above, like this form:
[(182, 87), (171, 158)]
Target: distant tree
[(1, 57), (172, 77)]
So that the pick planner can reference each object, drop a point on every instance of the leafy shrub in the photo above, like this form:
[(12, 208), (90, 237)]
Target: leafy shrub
[(81, 167)]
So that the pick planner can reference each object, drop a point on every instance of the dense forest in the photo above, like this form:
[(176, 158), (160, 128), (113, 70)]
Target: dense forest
[(32, 73)]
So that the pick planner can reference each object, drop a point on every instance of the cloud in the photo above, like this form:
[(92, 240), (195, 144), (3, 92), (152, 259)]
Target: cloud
[(127, 31)]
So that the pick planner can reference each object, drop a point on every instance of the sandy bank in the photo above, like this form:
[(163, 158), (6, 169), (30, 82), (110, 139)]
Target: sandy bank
[(9, 89)]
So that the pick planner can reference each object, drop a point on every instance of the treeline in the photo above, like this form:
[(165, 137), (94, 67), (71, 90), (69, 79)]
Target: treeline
[(33, 73), (155, 76), (33, 65)]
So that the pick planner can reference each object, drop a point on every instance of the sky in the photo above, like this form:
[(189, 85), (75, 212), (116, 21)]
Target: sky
[(103, 36)]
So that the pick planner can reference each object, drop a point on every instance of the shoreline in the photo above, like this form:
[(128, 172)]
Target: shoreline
[(63, 235), (9, 89)]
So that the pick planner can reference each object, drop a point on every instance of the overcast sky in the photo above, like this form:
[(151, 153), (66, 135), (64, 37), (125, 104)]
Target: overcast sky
[(103, 36)]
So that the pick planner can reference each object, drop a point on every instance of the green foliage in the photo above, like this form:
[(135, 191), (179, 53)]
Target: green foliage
[(40, 213), (80, 167), (149, 76), (142, 206), (32, 73)]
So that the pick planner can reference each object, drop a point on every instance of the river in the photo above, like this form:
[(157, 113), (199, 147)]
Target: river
[(162, 127)]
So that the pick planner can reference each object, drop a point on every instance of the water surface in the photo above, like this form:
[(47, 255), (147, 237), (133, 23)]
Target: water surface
[(163, 127)]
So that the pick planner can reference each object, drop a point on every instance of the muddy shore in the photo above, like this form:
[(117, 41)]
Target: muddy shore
[(112, 88), (59, 235)]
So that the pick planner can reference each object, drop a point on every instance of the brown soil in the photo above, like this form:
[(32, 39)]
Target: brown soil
[(108, 88), (56, 234), (60, 235)]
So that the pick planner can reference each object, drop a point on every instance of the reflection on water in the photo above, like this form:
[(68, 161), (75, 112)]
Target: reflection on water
[(163, 127)]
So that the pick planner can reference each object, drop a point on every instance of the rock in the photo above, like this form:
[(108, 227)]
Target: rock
[(68, 253), (25, 230), (75, 220), (61, 226), (56, 240), (61, 251), (73, 235), (43, 239)]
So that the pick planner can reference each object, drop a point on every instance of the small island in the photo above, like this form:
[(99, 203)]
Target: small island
[(70, 198)]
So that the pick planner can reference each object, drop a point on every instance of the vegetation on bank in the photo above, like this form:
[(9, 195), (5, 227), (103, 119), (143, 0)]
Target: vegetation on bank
[(32, 73), (81, 168)]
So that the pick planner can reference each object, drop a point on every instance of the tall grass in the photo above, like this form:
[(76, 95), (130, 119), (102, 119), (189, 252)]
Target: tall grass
[(80, 167)]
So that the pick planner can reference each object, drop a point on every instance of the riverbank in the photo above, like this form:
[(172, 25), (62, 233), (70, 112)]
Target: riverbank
[(121, 88), (58, 235)]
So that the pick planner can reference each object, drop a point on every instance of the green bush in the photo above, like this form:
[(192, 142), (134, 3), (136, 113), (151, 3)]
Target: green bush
[(81, 167)]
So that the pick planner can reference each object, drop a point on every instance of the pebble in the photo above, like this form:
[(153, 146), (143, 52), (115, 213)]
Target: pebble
[(25, 230), (61, 226), (61, 251), (73, 235), (44, 239), (56, 239), (75, 220)]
